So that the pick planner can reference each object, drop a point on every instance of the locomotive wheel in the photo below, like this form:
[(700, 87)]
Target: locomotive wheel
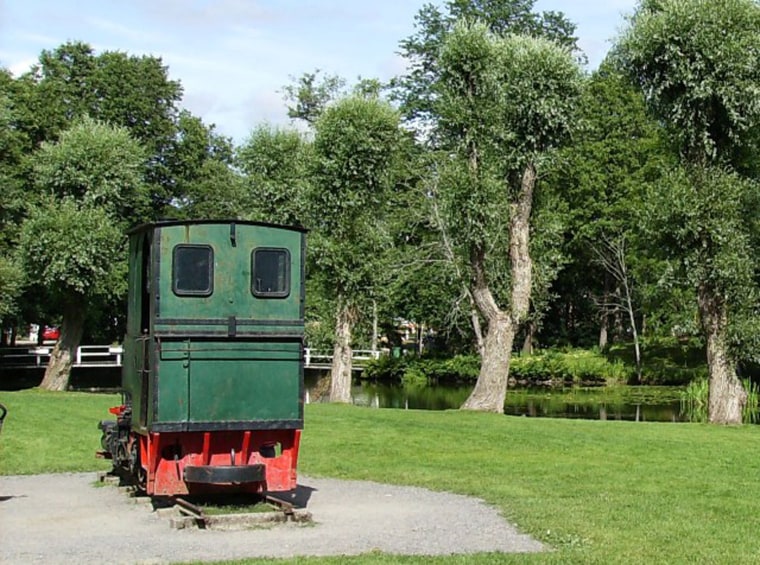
[(219, 474), (135, 466)]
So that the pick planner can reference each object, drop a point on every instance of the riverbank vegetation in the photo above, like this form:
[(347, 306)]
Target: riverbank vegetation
[(669, 362), (594, 492)]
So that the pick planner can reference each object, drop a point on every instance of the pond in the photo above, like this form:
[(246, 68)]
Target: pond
[(632, 403)]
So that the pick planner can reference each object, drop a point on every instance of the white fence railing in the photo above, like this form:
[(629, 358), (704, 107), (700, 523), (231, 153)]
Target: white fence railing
[(111, 356), (86, 356), (316, 358)]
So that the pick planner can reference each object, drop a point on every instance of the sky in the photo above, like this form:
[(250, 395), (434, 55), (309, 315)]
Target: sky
[(233, 57)]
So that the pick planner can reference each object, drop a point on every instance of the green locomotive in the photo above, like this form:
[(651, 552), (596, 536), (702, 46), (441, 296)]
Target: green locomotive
[(213, 358)]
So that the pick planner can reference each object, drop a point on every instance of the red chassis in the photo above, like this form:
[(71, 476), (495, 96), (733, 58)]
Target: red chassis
[(219, 461)]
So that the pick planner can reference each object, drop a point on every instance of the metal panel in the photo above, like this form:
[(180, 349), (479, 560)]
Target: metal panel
[(232, 294), (228, 381)]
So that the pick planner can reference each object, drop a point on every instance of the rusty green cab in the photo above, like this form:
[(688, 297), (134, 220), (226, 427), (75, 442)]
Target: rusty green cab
[(215, 326)]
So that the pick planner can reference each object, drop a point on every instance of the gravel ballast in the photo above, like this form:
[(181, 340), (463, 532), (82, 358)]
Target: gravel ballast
[(64, 518)]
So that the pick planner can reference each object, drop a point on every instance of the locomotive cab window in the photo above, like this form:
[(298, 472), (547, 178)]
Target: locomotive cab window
[(270, 273), (193, 270)]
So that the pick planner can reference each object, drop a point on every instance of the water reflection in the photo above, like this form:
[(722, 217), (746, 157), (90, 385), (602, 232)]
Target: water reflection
[(638, 404)]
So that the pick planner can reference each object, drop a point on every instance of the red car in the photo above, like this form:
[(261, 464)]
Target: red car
[(51, 333)]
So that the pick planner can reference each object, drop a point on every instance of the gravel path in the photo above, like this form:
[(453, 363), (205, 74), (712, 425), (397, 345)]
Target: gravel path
[(65, 519)]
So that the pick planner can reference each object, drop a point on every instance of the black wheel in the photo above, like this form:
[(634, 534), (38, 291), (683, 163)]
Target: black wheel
[(135, 466)]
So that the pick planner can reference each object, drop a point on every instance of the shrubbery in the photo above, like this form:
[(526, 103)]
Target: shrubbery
[(551, 367), (666, 362)]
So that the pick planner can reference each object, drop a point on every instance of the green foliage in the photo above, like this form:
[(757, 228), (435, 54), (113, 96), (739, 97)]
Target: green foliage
[(434, 23), (697, 218), (11, 283), (751, 410), (602, 178), (515, 95), (548, 367), (275, 162), (121, 89), (204, 182), (705, 226), (97, 165), (71, 82), (665, 361), (72, 244), (309, 95), (71, 249), (579, 367), (413, 377), (386, 367), (15, 147), (354, 147), (503, 104), (696, 62)]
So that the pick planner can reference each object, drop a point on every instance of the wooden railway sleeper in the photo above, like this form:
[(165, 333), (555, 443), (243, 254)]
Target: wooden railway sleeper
[(190, 509), (286, 507)]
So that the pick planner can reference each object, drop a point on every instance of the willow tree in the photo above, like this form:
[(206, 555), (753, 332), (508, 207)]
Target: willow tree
[(354, 146), (504, 104), (274, 162), (697, 63), (72, 243)]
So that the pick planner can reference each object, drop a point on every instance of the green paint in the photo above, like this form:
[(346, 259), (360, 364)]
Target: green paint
[(220, 354)]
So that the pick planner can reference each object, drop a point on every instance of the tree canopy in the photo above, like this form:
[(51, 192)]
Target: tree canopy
[(696, 63), (72, 244)]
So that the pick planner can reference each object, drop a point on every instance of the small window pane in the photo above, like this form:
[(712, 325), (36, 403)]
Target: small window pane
[(193, 270), (271, 273)]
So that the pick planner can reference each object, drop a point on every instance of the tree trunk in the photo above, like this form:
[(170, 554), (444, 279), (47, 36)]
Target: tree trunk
[(603, 340), (618, 317), (491, 388), (58, 371), (375, 325), (605, 314), (340, 389), (727, 395), (632, 320), (530, 338), (622, 269), (478, 330)]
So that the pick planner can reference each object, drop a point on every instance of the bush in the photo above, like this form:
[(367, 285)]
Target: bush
[(551, 367), (385, 368), (665, 362), (570, 367)]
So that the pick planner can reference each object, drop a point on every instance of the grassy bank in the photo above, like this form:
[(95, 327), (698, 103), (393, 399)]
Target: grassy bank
[(49, 432), (598, 492)]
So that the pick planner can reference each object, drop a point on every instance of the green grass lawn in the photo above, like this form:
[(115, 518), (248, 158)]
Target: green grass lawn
[(597, 492)]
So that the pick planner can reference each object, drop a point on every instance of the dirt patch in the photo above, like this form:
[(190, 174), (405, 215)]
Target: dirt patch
[(66, 519)]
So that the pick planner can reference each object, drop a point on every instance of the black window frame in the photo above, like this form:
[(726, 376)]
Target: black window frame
[(271, 294), (198, 293)]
